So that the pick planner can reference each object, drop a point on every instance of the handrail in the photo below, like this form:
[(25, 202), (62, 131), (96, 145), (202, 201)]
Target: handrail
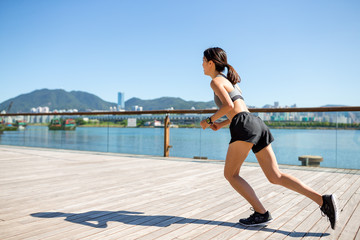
[(189, 111), (186, 111)]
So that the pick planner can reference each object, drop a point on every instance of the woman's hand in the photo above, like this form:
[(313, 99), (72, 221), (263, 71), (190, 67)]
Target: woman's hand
[(204, 124), (215, 126)]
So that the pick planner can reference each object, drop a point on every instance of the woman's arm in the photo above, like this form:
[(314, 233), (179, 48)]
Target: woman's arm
[(216, 126), (224, 123), (227, 104)]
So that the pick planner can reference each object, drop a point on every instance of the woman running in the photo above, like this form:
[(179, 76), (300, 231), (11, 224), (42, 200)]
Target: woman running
[(248, 132)]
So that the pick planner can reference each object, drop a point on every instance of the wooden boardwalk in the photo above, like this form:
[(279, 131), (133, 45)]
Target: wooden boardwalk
[(60, 194)]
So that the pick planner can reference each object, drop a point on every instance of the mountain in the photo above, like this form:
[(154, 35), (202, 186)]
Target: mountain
[(166, 102), (333, 105), (83, 101), (56, 99)]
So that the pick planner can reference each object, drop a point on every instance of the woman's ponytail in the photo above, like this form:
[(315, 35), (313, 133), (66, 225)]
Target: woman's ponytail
[(218, 56), (232, 75)]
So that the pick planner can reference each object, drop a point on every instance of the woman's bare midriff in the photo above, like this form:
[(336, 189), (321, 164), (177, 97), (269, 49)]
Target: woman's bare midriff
[(239, 106)]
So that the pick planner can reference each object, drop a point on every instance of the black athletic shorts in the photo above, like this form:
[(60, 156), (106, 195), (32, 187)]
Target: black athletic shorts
[(249, 128)]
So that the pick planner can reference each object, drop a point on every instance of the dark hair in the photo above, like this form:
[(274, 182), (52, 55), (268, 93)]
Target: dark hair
[(218, 56)]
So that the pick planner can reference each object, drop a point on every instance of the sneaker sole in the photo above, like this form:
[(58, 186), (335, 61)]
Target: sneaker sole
[(334, 202), (256, 224)]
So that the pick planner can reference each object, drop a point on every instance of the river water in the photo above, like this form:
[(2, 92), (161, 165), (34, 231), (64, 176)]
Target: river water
[(339, 148)]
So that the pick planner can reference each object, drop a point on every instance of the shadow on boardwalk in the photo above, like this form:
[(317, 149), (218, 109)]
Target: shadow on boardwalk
[(99, 219)]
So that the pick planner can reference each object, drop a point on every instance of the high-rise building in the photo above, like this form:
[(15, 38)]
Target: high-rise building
[(121, 101)]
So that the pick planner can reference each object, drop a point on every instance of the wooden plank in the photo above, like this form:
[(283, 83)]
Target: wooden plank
[(352, 226), (313, 216), (289, 208), (194, 208), (298, 213), (345, 209), (191, 231), (357, 234), (105, 196), (142, 203), (284, 224), (143, 219), (276, 203)]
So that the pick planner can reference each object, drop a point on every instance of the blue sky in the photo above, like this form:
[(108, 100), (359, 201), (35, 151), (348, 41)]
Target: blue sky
[(303, 52)]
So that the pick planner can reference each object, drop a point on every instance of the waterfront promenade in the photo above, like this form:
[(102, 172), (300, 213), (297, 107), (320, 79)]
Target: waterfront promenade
[(65, 194)]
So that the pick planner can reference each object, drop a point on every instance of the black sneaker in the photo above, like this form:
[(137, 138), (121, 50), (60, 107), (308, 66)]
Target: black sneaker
[(329, 209), (256, 219)]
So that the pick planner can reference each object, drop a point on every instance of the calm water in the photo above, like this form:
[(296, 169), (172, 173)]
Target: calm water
[(339, 148)]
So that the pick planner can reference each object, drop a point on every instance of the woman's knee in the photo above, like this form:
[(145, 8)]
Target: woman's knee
[(230, 175), (275, 178)]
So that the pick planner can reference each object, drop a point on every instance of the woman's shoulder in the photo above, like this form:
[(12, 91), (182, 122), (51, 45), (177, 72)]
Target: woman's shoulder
[(217, 81), (220, 79)]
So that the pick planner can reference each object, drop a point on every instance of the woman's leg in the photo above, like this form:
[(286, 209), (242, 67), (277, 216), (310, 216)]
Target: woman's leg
[(235, 157), (268, 163)]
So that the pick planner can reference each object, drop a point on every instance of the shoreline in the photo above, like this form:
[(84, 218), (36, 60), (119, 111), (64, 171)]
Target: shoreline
[(192, 126)]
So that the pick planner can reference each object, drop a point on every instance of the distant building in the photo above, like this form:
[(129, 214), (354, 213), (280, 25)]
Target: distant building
[(136, 108), (71, 110), (40, 110), (157, 123), (131, 122), (121, 100)]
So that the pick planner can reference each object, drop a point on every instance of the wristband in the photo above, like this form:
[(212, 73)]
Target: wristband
[(208, 121)]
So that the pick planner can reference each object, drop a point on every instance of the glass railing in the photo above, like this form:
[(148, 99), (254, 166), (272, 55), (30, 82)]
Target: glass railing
[(332, 135)]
